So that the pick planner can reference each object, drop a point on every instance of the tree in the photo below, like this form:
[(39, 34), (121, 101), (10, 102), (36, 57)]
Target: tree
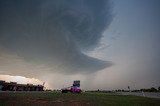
[(159, 88), (153, 89)]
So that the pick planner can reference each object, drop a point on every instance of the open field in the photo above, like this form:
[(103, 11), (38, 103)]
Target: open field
[(69, 99), (145, 94)]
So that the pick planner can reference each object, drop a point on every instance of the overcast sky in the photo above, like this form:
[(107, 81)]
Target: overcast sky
[(105, 44)]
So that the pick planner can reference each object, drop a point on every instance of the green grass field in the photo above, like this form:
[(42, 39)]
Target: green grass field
[(69, 99)]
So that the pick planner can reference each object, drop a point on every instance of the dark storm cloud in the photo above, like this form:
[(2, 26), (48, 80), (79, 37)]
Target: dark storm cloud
[(55, 32)]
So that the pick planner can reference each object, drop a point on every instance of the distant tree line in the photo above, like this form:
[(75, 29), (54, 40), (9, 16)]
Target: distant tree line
[(151, 90), (100, 91)]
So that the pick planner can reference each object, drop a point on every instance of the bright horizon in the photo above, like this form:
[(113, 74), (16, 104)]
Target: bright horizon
[(106, 44)]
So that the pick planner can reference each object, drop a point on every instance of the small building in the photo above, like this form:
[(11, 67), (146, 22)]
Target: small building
[(13, 86)]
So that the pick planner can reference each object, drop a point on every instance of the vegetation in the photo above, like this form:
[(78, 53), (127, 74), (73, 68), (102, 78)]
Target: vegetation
[(69, 99), (150, 90)]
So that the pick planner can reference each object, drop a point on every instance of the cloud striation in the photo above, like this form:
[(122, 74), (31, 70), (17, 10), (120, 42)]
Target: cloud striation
[(55, 32)]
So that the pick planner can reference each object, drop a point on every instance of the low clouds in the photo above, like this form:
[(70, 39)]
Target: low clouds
[(54, 33)]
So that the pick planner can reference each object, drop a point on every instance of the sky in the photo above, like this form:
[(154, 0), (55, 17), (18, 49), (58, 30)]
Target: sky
[(107, 44)]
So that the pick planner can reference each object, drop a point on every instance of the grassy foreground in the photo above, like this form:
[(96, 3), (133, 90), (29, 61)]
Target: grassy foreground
[(83, 99)]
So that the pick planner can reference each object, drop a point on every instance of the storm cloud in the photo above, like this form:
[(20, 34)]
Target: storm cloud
[(54, 33)]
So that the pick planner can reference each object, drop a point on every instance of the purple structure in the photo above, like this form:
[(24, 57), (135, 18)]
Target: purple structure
[(73, 89)]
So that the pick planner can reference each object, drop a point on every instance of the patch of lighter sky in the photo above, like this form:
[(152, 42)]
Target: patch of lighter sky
[(20, 79)]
